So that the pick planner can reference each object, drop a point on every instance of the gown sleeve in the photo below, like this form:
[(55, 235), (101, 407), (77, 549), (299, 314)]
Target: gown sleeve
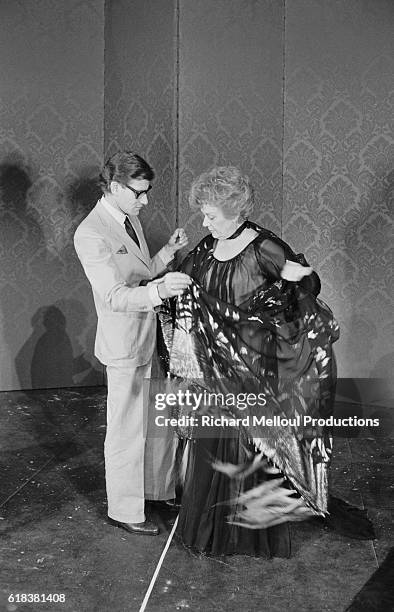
[(272, 255), (271, 258)]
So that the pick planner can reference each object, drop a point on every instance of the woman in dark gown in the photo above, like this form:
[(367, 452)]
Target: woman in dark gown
[(251, 323)]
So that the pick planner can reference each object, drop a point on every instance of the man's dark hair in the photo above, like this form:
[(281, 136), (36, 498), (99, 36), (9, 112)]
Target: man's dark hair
[(124, 166)]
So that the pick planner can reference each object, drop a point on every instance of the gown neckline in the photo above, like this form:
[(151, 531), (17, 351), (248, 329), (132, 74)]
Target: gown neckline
[(239, 230), (237, 233)]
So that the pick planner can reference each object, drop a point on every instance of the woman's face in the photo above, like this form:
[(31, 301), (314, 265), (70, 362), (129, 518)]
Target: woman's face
[(220, 226)]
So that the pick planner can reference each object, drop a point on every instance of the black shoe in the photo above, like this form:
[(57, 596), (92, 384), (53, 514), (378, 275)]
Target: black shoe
[(172, 503), (145, 528), (167, 504)]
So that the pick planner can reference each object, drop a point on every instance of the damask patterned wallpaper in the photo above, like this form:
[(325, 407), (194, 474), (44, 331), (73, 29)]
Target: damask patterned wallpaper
[(339, 167), (297, 93), (51, 140), (140, 109)]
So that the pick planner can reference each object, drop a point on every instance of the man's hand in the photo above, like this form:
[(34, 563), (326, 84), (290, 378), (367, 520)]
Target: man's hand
[(178, 240), (172, 284)]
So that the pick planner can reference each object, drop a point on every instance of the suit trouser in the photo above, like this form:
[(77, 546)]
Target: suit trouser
[(137, 467)]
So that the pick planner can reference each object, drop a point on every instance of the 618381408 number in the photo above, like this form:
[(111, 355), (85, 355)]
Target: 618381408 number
[(36, 597)]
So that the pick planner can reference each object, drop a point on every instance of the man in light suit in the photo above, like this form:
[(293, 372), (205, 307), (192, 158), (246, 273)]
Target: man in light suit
[(111, 246)]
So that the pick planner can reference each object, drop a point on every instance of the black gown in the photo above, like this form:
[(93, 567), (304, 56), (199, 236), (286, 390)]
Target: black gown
[(250, 284)]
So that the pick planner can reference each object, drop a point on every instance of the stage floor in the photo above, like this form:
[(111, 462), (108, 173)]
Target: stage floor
[(55, 538)]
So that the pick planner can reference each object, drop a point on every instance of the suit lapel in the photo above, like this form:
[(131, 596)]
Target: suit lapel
[(138, 229), (120, 232)]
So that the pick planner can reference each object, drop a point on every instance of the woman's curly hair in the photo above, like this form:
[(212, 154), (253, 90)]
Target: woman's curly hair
[(225, 187)]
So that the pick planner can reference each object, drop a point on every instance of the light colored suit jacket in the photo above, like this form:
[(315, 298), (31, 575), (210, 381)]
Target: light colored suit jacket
[(115, 267)]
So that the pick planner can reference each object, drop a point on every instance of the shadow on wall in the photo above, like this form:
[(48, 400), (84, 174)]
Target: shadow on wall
[(83, 193), (19, 228), (14, 183), (38, 262), (47, 360), (20, 237)]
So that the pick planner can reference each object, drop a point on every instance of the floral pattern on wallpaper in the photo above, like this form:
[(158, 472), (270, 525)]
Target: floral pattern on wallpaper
[(230, 100), (139, 102), (339, 169)]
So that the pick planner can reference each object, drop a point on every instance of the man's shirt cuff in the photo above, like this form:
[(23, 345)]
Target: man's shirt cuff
[(154, 294), (166, 254)]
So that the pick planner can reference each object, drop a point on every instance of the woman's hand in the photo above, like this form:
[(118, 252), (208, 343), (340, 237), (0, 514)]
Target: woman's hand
[(293, 271)]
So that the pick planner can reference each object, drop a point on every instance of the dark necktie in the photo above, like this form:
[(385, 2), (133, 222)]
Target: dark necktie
[(131, 231)]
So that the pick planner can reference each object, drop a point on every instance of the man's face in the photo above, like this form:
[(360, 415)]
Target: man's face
[(128, 198)]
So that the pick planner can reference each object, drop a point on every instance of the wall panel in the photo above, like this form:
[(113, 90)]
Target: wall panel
[(230, 98), (339, 166), (140, 43), (51, 136)]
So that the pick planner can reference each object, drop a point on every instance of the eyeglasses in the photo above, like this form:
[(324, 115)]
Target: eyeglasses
[(139, 193)]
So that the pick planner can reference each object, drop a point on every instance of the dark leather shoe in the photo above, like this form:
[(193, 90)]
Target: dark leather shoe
[(145, 528), (168, 504), (172, 503)]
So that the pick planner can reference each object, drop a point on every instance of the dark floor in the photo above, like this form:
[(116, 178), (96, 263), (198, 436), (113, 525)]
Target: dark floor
[(55, 538)]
